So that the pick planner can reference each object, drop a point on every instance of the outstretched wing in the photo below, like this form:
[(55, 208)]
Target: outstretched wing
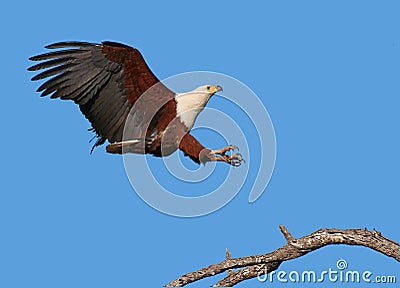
[(105, 80)]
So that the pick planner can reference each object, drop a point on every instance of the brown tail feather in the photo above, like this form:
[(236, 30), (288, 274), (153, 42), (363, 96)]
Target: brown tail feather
[(130, 146)]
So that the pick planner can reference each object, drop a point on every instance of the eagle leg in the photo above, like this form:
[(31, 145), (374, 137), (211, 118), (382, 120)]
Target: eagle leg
[(199, 154)]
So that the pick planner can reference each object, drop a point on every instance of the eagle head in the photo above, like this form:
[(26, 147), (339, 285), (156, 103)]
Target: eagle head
[(190, 104)]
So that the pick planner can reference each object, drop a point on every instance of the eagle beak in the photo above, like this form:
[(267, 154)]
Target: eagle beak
[(219, 89)]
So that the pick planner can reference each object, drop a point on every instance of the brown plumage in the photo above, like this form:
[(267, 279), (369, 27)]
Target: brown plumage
[(116, 90)]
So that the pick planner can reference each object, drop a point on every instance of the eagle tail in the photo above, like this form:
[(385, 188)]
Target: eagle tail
[(130, 146)]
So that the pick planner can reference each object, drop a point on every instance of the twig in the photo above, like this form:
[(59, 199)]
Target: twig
[(228, 256)]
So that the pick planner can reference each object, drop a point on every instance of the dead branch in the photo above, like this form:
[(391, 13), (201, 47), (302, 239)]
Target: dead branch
[(294, 248)]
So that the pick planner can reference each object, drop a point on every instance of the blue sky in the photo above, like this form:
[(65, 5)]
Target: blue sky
[(328, 73)]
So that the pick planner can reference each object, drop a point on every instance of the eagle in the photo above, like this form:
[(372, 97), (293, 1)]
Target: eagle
[(115, 89)]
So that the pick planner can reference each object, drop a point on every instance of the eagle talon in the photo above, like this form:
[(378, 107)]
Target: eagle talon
[(225, 149), (234, 147), (235, 160)]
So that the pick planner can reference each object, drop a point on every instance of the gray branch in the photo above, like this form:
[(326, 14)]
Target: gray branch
[(294, 248)]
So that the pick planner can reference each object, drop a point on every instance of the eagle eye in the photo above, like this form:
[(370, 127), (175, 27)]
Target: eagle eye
[(208, 87)]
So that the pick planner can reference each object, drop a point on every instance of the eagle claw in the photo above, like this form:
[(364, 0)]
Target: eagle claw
[(225, 149), (234, 160)]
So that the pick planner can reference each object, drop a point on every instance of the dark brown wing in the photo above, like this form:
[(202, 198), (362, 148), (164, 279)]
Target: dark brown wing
[(105, 80)]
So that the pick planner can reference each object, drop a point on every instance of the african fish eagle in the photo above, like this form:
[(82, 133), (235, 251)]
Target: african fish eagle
[(107, 80)]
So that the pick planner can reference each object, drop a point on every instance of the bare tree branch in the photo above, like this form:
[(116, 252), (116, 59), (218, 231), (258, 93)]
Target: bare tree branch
[(247, 273), (294, 248)]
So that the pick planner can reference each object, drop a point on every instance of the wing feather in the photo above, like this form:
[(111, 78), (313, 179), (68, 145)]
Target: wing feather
[(52, 71), (66, 44), (83, 86), (52, 85), (51, 63), (58, 54)]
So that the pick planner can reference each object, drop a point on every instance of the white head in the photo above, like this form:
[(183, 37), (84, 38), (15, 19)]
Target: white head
[(190, 104)]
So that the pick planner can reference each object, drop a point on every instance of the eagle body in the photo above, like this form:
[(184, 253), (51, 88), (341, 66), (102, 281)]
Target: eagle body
[(125, 102)]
